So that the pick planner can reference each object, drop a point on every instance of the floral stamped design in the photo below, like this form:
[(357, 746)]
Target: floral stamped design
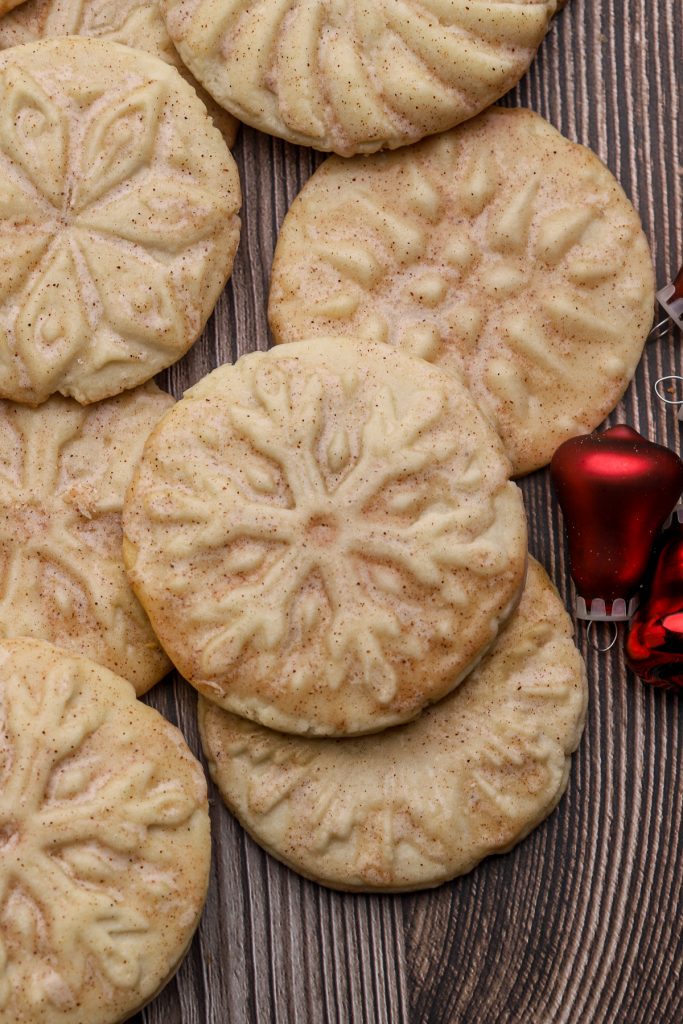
[(92, 835), (116, 237), (513, 260), (136, 23), (340, 547)]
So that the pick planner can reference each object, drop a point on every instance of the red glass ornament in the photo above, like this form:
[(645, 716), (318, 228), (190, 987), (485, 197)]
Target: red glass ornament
[(616, 490), (678, 286), (671, 298), (654, 645)]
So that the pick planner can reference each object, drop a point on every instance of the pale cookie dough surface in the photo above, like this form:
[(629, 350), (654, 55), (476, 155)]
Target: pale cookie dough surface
[(136, 23), (424, 802), (325, 537), (500, 251), (64, 470), (352, 76), (105, 842), (118, 218)]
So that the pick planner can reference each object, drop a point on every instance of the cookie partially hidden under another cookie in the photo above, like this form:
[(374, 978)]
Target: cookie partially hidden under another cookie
[(424, 802), (64, 471), (136, 23), (501, 251), (325, 537), (104, 839)]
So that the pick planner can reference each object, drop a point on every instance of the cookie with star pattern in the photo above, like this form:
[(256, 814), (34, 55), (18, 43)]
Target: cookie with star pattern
[(324, 536)]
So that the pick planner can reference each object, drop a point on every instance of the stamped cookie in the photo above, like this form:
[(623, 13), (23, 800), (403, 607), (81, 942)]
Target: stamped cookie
[(104, 833), (64, 470), (422, 803), (136, 23), (355, 77), (500, 251), (118, 218), (325, 537)]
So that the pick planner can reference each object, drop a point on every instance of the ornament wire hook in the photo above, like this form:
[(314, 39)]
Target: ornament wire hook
[(592, 639), (663, 398), (660, 330)]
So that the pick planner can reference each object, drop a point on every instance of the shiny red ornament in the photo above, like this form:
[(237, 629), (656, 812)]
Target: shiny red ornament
[(654, 644), (616, 489), (671, 299)]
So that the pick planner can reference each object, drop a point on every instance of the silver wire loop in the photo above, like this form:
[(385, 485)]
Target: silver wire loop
[(663, 398), (660, 330), (592, 640)]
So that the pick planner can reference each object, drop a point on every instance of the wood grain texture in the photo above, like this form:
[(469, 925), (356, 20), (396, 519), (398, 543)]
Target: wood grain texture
[(580, 924)]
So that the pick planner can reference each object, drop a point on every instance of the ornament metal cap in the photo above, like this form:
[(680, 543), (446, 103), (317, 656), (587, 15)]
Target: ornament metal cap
[(677, 514), (596, 610)]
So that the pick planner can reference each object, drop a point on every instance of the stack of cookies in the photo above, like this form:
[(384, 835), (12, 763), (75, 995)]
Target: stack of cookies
[(324, 539)]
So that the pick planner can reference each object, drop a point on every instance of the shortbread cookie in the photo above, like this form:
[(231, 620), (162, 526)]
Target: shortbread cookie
[(64, 470), (500, 251), (424, 802), (324, 536), (104, 832), (136, 23), (118, 218), (356, 77)]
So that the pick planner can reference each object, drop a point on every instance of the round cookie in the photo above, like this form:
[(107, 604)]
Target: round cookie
[(136, 23), (325, 537), (501, 251), (105, 839), (118, 218), (355, 77), (64, 470), (422, 803)]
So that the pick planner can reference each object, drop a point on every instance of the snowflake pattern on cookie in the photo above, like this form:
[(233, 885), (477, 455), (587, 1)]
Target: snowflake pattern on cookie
[(356, 77), (100, 802), (500, 251), (422, 803), (118, 228), (338, 546), (63, 473)]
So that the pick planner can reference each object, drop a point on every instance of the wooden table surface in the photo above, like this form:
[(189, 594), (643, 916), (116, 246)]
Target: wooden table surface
[(581, 923)]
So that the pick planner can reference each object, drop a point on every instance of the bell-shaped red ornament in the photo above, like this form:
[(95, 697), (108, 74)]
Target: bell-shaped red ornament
[(671, 299), (654, 644), (616, 490)]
